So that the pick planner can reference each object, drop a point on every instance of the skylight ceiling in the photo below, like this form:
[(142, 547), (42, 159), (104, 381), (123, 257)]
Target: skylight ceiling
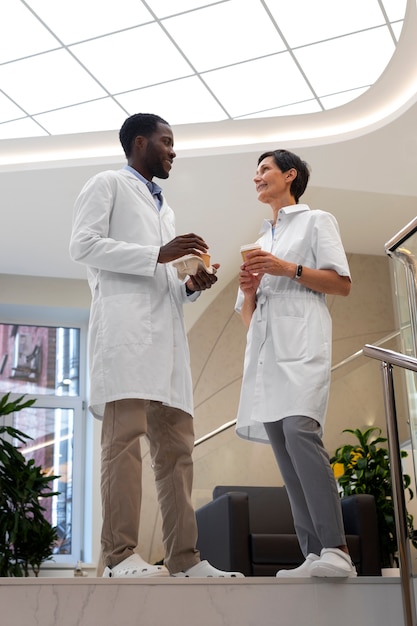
[(71, 66)]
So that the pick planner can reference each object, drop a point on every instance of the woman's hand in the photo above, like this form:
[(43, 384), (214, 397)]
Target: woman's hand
[(248, 282), (326, 281), (261, 262)]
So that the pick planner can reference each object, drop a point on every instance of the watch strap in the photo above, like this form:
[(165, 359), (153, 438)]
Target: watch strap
[(298, 272)]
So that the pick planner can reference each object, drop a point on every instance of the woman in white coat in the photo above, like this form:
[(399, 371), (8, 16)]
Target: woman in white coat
[(286, 377), (124, 232)]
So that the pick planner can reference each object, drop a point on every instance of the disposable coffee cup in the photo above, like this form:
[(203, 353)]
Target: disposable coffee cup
[(249, 247), (206, 259)]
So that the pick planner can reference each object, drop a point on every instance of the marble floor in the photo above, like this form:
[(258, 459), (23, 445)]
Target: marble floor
[(197, 602)]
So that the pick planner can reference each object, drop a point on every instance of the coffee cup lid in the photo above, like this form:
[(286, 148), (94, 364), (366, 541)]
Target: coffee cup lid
[(250, 246)]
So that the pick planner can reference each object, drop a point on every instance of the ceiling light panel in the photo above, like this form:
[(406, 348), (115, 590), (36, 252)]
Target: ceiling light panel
[(99, 115), (76, 20), (61, 60), (184, 101), (310, 106), (397, 29), (21, 34), (395, 9), (348, 62), (21, 128), (258, 85), (135, 58), (163, 8), (338, 99), (8, 110), (224, 34), (302, 22), (48, 81)]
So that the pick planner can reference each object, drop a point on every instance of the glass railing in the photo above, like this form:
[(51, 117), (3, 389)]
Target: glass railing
[(389, 359), (402, 249)]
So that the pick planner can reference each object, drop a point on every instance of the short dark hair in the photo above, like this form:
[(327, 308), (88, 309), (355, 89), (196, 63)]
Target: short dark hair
[(144, 124), (287, 160)]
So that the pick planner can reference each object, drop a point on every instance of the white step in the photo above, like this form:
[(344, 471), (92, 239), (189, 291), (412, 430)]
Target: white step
[(200, 602)]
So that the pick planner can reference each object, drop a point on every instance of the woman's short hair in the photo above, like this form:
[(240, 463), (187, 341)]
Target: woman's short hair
[(287, 160), (143, 124)]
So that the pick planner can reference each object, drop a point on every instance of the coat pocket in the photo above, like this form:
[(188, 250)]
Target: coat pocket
[(126, 320), (289, 337)]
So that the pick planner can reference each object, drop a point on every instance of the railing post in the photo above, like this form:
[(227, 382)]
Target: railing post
[(400, 510)]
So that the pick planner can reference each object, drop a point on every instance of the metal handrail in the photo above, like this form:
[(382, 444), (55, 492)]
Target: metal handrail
[(335, 367), (388, 359), (401, 237)]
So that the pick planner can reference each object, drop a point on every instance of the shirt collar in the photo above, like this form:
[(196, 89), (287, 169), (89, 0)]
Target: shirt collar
[(153, 187), (287, 210), (295, 208)]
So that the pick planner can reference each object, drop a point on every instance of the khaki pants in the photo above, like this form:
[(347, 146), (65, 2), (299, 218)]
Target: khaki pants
[(171, 437)]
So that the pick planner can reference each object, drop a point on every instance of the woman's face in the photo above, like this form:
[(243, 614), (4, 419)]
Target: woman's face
[(271, 183)]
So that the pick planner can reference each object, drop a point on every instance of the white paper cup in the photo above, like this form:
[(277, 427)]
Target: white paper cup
[(249, 247)]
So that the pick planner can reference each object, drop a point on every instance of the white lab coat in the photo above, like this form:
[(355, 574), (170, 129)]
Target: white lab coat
[(288, 353), (137, 340)]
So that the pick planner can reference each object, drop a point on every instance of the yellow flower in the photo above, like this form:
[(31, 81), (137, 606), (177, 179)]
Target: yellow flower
[(354, 457), (338, 470)]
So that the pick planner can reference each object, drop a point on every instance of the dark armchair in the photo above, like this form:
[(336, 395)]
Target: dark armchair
[(251, 530)]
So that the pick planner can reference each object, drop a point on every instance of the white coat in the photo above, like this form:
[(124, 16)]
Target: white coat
[(288, 353), (137, 340)]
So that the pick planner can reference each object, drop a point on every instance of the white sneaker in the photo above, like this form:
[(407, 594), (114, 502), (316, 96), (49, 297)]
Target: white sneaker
[(135, 567), (303, 571), (333, 563), (205, 570)]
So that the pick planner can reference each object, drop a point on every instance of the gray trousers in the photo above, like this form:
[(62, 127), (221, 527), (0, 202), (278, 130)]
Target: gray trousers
[(310, 483)]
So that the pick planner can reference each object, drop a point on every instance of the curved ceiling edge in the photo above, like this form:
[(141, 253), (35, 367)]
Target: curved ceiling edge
[(391, 95)]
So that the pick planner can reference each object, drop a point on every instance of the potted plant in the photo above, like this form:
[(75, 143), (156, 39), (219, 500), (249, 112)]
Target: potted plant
[(364, 467), (26, 537)]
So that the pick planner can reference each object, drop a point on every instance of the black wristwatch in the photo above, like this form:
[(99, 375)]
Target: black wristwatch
[(298, 272)]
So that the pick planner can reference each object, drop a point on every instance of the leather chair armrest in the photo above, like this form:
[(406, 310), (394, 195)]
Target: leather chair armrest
[(360, 518), (223, 532)]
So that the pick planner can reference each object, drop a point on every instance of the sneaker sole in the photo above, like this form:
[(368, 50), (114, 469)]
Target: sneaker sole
[(329, 571)]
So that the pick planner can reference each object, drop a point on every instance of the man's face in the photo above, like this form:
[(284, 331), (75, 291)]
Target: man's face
[(159, 152)]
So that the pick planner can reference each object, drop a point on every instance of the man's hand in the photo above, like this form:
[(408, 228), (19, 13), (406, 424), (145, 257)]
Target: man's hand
[(180, 246), (202, 280)]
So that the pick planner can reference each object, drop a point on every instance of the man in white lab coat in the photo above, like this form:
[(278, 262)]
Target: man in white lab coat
[(124, 232)]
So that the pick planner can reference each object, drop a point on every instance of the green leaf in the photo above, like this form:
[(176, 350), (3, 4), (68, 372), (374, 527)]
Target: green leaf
[(26, 537), (367, 470)]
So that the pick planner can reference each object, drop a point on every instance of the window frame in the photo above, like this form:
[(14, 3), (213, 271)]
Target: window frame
[(82, 487)]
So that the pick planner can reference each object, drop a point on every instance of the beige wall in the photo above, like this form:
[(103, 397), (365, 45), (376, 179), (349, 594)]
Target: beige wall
[(36, 291), (217, 343)]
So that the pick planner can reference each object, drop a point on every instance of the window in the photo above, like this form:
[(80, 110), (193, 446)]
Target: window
[(43, 362)]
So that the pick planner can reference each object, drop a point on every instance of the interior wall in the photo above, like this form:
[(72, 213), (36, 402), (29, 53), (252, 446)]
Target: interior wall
[(41, 300), (217, 343)]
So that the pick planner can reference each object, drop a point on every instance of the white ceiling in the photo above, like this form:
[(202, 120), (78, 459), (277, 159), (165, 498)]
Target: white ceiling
[(363, 157), (81, 66)]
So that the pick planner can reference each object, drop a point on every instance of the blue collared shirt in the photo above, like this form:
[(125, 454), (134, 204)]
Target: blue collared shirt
[(155, 189)]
